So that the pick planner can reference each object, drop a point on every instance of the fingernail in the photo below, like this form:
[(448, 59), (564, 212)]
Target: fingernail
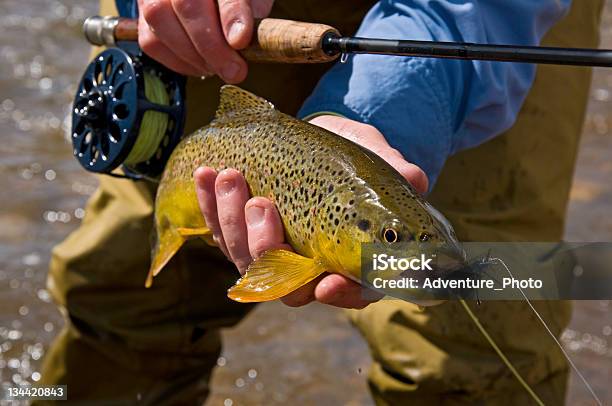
[(255, 215), (235, 30), (227, 186), (230, 71)]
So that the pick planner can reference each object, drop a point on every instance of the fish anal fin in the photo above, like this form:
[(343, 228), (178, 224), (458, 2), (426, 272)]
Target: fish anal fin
[(168, 243), (273, 275), (234, 100)]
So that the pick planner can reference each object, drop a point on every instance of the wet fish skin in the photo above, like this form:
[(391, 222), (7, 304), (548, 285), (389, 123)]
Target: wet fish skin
[(332, 195)]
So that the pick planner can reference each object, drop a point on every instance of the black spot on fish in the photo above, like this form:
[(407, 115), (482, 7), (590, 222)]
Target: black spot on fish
[(363, 225)]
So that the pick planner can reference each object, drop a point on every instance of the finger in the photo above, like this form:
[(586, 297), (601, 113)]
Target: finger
[(205, 191), (363, 134), (303, 295), (369, 137), (200, 20), (162, 21), (264, 227), (336, 290), (265, 230), (237, 22), (232, 194), (409, 171), (412, 173), (156, 49)]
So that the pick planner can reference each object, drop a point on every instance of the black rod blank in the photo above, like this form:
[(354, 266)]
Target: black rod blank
[(333, 44)]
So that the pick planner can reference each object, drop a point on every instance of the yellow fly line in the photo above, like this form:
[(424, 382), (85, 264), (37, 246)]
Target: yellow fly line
[(154, 123), (499, 352)]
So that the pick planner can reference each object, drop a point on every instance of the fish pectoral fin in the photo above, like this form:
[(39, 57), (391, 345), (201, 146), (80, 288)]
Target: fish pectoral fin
[(273, 275)]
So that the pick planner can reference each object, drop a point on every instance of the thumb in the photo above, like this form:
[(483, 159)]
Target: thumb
[(237, 22)]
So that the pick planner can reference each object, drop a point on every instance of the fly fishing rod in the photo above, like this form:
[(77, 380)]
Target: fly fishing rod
[(129, 110), (335, 45), (296, 42)]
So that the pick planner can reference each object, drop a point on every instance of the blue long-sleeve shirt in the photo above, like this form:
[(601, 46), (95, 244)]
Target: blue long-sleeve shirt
[(431, 108)]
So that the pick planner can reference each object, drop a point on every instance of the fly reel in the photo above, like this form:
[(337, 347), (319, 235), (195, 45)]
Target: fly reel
[(128, 110)]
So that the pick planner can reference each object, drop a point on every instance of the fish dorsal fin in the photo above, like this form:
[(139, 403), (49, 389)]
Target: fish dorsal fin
[(235, 100)]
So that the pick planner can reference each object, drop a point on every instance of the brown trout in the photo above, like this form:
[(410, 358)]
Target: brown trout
[(332, 196)]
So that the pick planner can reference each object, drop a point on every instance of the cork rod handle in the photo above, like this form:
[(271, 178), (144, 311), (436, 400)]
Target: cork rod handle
[(288, 41), (274, 40)]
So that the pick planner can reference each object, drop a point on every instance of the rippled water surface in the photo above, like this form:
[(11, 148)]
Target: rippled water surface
[(311, 354)]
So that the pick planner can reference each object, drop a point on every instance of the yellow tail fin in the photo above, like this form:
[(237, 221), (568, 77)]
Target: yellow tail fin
[(168, 243), (273, 275)]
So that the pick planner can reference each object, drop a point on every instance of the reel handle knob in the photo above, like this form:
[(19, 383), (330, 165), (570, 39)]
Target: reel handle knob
[(105, 31), (275, 40)]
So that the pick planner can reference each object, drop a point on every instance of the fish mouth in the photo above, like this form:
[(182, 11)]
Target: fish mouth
[(438, 260), (449, 259), (445, 260)]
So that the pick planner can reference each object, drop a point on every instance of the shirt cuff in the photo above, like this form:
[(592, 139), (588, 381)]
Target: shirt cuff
[(322, 113)]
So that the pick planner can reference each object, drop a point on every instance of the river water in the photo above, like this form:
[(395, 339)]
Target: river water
[(311, 354)]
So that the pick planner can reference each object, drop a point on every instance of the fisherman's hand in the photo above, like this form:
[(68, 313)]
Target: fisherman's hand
[(245, 227), (200, 37), (369, 137)]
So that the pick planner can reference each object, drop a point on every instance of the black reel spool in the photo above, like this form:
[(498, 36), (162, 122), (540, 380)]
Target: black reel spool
[(109, 107)]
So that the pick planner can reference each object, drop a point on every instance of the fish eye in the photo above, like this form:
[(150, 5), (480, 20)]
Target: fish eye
[(390, 235), (424, 237)]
